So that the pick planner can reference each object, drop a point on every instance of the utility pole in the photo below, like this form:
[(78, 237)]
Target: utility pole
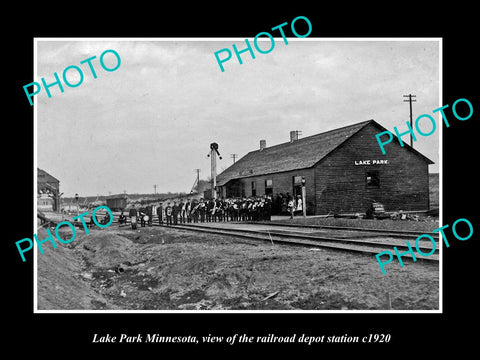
[(410, 100), (234, 156)]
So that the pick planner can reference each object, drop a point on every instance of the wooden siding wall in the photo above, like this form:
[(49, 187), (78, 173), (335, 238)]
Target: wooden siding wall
[(282, 183), (341, 185)]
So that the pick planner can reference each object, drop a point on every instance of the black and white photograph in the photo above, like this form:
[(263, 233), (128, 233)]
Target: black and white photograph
[(223, 180), (258, 188)]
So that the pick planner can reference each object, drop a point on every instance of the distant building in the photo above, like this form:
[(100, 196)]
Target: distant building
[(48, 191), (45, 202), (117, 202), (344, 171)]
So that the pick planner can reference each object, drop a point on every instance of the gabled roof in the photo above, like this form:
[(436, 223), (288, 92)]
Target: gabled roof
[(300, 154), (45, 177)]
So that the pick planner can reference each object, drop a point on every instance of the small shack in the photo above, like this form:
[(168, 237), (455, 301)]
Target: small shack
[(117, 202)]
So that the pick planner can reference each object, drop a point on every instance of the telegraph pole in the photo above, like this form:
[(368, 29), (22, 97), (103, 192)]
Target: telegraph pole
[(234, 156), (410, 100)]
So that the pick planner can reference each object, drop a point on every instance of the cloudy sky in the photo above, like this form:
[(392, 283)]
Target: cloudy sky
[(152, 120)]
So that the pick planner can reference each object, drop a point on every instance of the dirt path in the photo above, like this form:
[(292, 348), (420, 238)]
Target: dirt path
[(167, 269)]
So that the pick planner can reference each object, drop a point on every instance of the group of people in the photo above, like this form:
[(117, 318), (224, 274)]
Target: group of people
[(285, 203), (213, 210)]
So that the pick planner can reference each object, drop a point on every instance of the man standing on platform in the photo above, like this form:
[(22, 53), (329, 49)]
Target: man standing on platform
[(188, 210), (208, 210), (160, 213), (133, 217), (150, 214), (181, 209), (267, 208), (175, 212), (201, 208), (168, 214), (291, 206), (195, 211)]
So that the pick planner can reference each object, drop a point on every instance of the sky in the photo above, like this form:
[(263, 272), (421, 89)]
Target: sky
[(152, 120)]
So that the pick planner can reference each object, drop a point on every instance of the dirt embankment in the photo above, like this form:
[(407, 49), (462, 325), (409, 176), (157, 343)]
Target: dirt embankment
[(166, 269)]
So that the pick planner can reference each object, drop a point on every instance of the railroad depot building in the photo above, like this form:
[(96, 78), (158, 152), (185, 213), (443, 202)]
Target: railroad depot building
[(48, 191), (344, 171)]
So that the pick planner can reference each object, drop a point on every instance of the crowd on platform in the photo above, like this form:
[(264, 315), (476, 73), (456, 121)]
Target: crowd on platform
[(212, 210)]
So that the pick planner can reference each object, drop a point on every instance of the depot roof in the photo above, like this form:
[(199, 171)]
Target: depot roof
[(299, 154)]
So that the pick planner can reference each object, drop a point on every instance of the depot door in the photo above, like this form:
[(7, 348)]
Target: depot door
[(297, 186)]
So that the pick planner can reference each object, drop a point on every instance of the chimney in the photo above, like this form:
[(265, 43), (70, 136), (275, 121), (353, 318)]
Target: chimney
[(263, 144), (293, 135)]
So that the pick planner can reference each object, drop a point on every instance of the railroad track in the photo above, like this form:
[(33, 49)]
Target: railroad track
[(403, 234), (356, 244), (278, 237)]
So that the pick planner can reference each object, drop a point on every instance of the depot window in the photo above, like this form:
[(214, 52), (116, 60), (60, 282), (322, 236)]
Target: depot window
[(297, 180), (372, 179), (268, 187)]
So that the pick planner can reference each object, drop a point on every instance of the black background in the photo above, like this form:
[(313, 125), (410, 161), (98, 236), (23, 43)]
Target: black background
[(71, 334)]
